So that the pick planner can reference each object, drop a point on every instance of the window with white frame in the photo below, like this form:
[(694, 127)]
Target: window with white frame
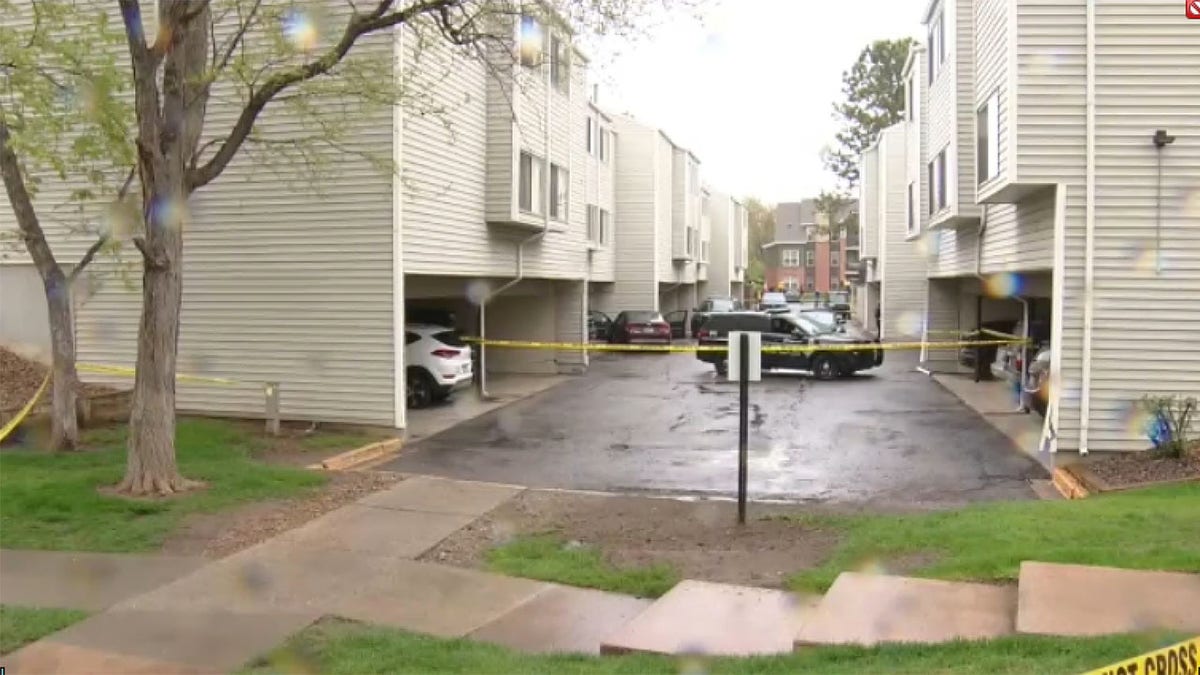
[(560, 64), (809, 257), (591, 135), (791, 284), (910, 223), (791, 257), (987, 139), (808, 285), (560, 184), (529, 188), (530, 43), (937, 46), (605, 144), (605, 226), (937, 183), (688, 242)]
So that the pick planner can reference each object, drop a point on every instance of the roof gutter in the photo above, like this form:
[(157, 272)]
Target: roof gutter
[(1089, 271)]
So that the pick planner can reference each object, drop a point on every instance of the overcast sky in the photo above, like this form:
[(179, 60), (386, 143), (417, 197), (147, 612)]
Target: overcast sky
[(750, 87)]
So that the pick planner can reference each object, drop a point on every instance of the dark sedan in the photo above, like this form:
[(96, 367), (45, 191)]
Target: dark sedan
[(840, 358), (640, 327)]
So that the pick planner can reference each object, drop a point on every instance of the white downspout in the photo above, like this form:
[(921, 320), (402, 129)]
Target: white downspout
[(1085, 393)]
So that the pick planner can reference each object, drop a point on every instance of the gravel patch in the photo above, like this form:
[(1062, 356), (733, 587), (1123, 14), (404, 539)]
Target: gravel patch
[(1130, 468)]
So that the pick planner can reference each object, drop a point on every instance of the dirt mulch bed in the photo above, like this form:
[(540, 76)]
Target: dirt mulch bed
[(1136, 468), (217, 535), (20, 378), (700, 539)]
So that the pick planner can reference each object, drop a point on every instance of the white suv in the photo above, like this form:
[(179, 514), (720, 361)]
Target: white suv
[(438, 363)]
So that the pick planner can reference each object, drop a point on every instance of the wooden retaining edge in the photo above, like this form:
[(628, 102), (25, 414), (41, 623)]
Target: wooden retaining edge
[(1067, 484), (359, 456)]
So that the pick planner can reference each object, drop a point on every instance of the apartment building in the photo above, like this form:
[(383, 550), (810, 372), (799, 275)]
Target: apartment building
[(1060, 141), (895, 283), (806, 254), (728, 254), (661, 247), (502, 211)]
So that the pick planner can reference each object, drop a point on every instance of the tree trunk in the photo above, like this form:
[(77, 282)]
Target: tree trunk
[(64, 423)]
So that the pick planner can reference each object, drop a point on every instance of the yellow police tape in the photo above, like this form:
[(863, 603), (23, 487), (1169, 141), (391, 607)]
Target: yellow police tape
[(130, 372), (16, 421), (863, 347), (1178, 659)]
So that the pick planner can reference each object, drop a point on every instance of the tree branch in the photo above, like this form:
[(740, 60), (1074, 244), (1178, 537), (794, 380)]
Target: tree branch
[(87, 257), (22, 205), (359, 25), (237, 37)]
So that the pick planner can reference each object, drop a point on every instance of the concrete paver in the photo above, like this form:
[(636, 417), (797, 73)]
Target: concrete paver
[(375, 531), (1059, 599), (666, 423), (430, 494), (699, 617), (47, 657), (563, 619), (213, 641), (90, 581), (437, 599), (867, 609)]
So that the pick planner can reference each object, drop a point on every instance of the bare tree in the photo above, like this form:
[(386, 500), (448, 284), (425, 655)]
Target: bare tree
[(197, 44)]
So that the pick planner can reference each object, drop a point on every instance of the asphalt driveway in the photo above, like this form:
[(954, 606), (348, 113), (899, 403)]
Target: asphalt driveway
[(666, 424)]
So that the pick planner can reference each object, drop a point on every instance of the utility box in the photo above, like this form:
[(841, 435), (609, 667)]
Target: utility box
[(753, 358)]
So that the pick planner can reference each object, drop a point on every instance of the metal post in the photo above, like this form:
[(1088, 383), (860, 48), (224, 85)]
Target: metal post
[(743, 423), (271, 389)]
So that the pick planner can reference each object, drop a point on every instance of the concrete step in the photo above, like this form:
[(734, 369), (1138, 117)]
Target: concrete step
[(866, 609), (700, 617), (562, 619), (1059, 599)]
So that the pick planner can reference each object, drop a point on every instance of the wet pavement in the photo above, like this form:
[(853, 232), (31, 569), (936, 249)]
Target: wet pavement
[(665, 423)]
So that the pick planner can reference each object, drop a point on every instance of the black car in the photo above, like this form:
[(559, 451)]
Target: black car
[(786, 329), (599, 325), (713, 305)]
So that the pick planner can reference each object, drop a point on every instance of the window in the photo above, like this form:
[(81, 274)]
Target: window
[(591, 138), (937, 183), (530, 42), (791, 257), (593, 223), (560, 183), (689, 241), (987, 139), (560, 64), (605, 144), (910, 224), (808, 285), (937, 47), (605, 226), (809, 257), (834, 259), (530, 197), (791, 284)]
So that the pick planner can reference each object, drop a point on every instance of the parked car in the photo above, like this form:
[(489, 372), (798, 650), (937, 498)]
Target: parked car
[(713, 305), (599, 325), (772, 300), (640, 327), (782, 329), (966, 355), (439, 363), (678, 321)]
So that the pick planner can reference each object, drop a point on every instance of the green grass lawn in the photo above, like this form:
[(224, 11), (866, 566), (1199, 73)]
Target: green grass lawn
[(50, 501), (546, 557), (335, 647), (1145, 529), (21, 625)]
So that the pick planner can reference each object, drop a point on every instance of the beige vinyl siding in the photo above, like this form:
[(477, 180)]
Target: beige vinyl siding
[(1141, 87), (679, 203), (955, 251), (636, 284), (963, 195), (868, 207), (1050, 77), (596, 180), (942, 321), (991, 72), (664, 208), (570, 322), (1020, 236), (917, 137), (500, 171), (902, 267), (722, 223), (941, 128), (446, 157)]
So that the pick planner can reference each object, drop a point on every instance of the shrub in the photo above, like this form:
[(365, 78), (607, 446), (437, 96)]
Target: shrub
[(1170, 423)]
